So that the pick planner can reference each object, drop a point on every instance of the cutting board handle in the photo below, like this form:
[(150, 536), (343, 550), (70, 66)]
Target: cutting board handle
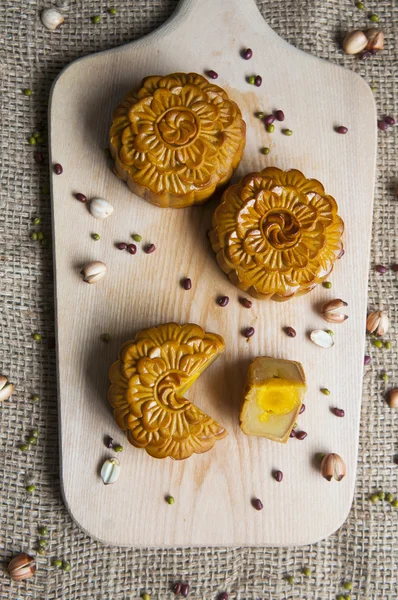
[(206, 11)]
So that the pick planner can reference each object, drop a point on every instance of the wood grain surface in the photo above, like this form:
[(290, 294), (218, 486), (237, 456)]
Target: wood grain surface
[(212, 492)]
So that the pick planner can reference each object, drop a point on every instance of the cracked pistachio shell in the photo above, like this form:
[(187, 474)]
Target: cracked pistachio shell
[(377, 322), (100, 208), (93, 271), (322, 338), (6, 388), (51, 18), (110, 471)]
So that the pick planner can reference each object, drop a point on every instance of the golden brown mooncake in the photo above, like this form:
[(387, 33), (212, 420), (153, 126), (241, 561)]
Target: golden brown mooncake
[(277, 234), (177, 139), (148, 382)]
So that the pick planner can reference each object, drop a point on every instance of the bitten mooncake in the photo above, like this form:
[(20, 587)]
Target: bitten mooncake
[(274, 393), (177, 139), (148, 383), (277, 234)]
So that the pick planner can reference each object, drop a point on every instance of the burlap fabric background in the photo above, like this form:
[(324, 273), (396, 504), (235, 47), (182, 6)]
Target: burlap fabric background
[(365, 549)]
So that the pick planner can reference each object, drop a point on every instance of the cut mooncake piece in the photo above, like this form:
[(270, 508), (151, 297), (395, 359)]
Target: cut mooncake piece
[(148, 382), (274, 393), (277, 234), (176, 139)]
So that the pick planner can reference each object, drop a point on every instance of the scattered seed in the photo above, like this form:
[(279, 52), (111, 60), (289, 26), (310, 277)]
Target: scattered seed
[(374, 18), (390, 121), (146, 597), (251, 80), (248, 332), (177, 589), (327, 284), (381, 495), (302, 409), (39, 158), (65, 566), (347, 585), (320, 456), (325, 391), (30, 489), (33, 237), (43, 531), (341, 129), (121, 245), (170, 500), (278, 476), (360, 5), (290, 579), (81, 198), (246, 302), (150, 248), (136, 237), (57, 563), (389, 498), (395, 459), (269, 119), (42, 543), (260, 115), (381, 269), (339, 412), (37, 337), (112, 11), (32, 141), (35, 433), (295, 426), (109, 442), (96, 19), (394, 503), (117, 448), (105, 337), (306, 571), (265, 150), (35, 398), (270, 128), (387, 345), (32, 439), (290, 332), (41, 551), (58, 169), (258, 80), (257, 504), (27, 92), (279, 115), (377, 343), (287, 132), (36, 221), (340, 597), (292, 434), (184, 590), (223, 596), (96, 236), (385, 377), (212, 74), (23, 447), (40, 235), (382, 125), (367, 359), (223, 301), (132, 248), (374, 498), (186, 284), (301, 435), (247, 54)]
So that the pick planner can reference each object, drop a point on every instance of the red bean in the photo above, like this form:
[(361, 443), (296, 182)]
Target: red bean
[(269, 119), (81, 197), (212, 74), (177, 588), (247, 54), (187, 284), (132, 248), (280, 115), (246, 302), (301, 435), (290, 332), (382, 125), (339, 412), (381, 269), (302, 409), (258, 80), (150, 248), (341, 129), (223, 301), (248, 332), (184, 590), (367, 360), (58, 169), (121, 246), (390, 121), (278, 476), (257, 504)]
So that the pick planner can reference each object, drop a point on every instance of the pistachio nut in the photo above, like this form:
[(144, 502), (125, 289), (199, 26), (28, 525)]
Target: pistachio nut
[(354, 42), (51, 18), (6, 388), (93, 271), (21, 567), (378, 322), (100, 208), (110, 470), (329, 311), (322, 338), (375, 40), (333, 467)]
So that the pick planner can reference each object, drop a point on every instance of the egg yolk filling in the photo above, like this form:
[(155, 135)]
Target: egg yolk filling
[(276, 397)]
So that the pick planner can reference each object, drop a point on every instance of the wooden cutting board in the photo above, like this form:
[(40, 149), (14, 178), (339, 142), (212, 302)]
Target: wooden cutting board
[(212, 492)]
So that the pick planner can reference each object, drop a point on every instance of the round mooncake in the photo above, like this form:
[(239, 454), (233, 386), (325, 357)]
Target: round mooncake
[(177, 139), (277, 234), (148, 385)]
